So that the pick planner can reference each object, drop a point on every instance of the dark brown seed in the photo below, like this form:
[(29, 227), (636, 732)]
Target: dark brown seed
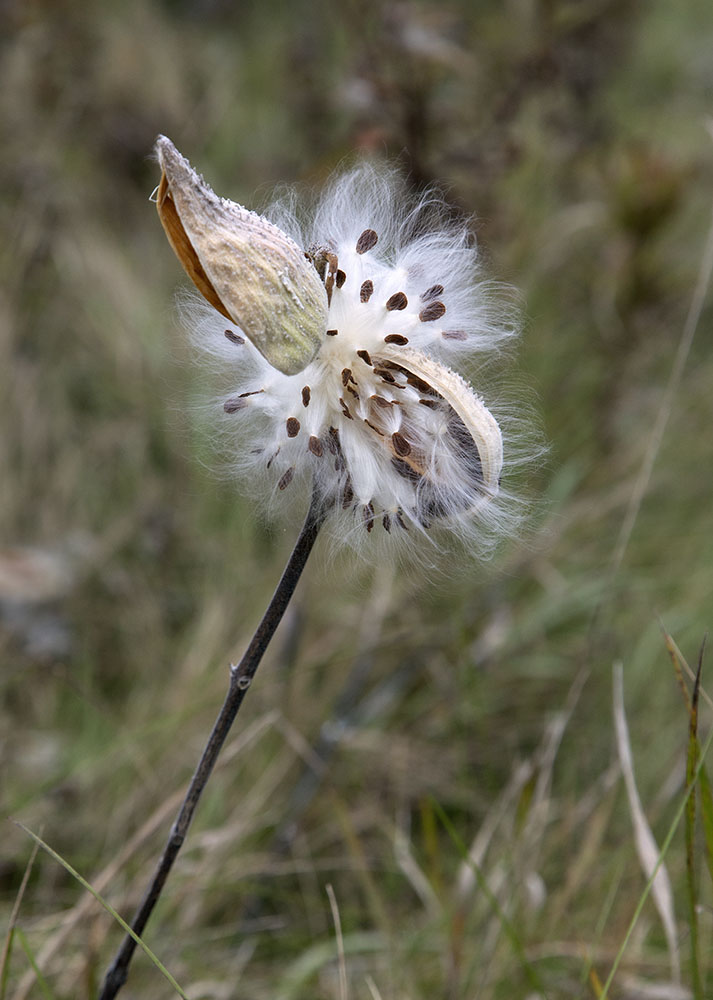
[(396, 338), (306, 393), (234, 338), (345, 409), (406, 471), (380, 401), (432, 293), (332, 333), (286, 479), (341, 278), (365, 357), (293, 427), (315, 446), (400, 519), (353, 391), (373, 427), (401, 445), (347, 494), (346, 375), (385, 375), (254, 392), (433, 311), (234, 404), (418, 383), (366, 290), (366, 241), (272, 458), (454, 335), (368, 514), (432, 404), (397, 301), (333, 442), (386, 521)]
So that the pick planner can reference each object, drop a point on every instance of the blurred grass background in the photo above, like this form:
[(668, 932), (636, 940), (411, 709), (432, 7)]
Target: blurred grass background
[(396, 717)]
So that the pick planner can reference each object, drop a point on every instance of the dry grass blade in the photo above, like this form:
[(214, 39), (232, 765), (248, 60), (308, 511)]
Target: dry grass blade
[(343, 990), (507, 926), (692, 759), (7, 947), (646, 847)]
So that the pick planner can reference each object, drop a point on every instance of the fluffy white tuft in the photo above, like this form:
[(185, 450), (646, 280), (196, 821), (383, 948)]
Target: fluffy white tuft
[(400, 445)]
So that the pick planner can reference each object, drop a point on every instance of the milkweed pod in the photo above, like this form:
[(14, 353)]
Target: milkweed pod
[(247, 268), (469, 431)]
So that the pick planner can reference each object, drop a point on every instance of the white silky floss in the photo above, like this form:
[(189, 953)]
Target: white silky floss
[(343, 339)]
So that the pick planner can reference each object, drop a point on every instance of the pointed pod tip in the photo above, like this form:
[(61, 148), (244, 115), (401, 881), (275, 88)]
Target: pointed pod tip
[(275, 295)]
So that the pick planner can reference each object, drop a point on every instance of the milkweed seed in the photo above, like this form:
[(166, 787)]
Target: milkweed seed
[(315, 446), (386, 521), (368, 514), (333, 442), (332, 333), (396, 338), (234, 404), (234, 338), (365, 357), (433, 311), (341, 278), (366, 290), (346, 375), (366, 241), (397, 301), (306, 393), (432, 293), (347, 494), (345, 409), (286, 479), (401, 445), (293, 427), (454, 335)]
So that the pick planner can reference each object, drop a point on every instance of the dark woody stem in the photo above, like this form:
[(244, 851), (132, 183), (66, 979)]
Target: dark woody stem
[(240, 679)]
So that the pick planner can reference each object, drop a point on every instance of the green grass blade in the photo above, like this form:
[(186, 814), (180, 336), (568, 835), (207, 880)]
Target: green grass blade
[(41, 981), (647, 888), (690, 832), (527, 968), (707, 816), (110, 909)]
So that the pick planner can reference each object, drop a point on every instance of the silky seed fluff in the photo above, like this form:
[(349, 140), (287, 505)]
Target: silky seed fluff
[(400, 445)]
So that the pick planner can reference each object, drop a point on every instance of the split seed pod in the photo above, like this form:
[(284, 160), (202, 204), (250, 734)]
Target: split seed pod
[(376, 309), (247, 268)]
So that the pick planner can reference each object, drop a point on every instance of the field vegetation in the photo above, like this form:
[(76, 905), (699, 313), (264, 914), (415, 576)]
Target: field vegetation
[(439, 747)]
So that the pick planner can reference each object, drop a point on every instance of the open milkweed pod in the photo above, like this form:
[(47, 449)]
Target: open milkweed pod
[(379, 420), (247, 268)]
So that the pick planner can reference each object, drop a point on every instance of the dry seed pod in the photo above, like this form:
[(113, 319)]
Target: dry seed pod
[(247, 268), (474, 426)]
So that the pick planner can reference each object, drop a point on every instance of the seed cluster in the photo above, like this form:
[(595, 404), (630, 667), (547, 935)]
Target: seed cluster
[(372, 396)]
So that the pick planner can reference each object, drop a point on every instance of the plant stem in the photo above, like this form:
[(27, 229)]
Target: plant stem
[(240, 679)]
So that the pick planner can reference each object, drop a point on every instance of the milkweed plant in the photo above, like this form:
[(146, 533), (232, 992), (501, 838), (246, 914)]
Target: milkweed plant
[(343, 340)]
